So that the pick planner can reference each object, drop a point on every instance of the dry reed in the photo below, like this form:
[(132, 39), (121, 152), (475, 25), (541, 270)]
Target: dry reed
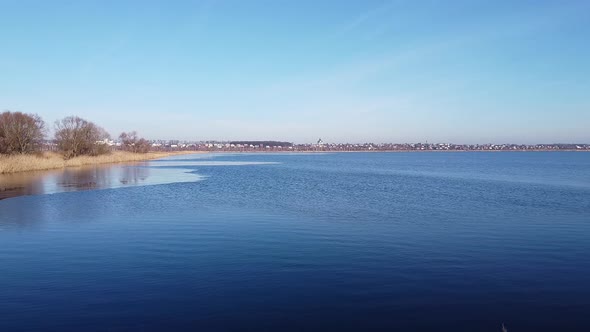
[(46, 161)]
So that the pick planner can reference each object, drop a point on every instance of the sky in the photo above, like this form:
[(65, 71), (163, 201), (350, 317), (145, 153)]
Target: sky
[(346, 71)]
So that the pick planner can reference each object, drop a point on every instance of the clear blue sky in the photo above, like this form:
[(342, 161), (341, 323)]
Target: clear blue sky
[(347, 71)]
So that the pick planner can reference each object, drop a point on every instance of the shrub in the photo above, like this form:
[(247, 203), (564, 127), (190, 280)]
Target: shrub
[(75, 136), (21, 133), (131, 142)]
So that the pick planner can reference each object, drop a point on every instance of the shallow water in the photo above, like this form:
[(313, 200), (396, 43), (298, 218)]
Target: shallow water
[(88, 178), (353, 241)]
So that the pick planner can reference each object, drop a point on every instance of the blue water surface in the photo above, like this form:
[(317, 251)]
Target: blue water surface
[(308, 242)]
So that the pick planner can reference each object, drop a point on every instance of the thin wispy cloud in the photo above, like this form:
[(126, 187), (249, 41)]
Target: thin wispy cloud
[(367, 16)]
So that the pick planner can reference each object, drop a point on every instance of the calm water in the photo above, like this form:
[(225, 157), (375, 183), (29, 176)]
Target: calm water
[(88, 178), (324, 242)]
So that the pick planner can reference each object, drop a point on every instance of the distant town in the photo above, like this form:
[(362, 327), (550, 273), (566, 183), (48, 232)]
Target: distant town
[(320, 145)]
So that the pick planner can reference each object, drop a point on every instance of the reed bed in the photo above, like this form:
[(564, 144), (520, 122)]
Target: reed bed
[(49, 160)]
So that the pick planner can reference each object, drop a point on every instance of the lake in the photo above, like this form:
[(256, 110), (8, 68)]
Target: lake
[(461, 241)]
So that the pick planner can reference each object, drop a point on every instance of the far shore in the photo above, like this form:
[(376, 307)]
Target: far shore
[(50, 160), (382, 151)]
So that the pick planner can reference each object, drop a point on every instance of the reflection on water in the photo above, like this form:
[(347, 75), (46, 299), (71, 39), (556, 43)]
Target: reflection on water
[(86, 178)]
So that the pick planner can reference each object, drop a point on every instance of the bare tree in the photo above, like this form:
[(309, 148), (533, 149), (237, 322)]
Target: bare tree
[(21, 133), (131, 142), (75, 136)]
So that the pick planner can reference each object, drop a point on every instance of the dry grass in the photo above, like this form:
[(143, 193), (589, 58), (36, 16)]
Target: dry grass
[(46, 161)]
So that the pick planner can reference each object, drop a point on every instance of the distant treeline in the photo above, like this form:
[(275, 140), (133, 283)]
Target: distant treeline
[(22, 133), (262, 143)]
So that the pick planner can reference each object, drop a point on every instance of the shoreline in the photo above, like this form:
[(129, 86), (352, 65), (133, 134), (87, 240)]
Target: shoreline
[(52, 161), (386, 151), (10, 164)]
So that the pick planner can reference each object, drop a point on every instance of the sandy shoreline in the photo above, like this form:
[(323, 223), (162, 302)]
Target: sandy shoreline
[(49, 161)]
